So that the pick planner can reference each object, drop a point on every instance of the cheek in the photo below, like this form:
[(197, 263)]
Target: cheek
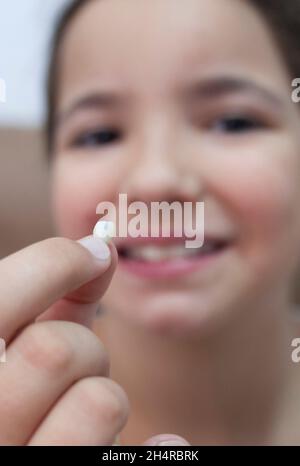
[(262, 197), (77, 188), (262, 192)]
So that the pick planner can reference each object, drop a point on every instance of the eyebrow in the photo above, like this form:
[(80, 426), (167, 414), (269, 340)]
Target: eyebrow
[(211, 88), (225, 85), (96, 100)]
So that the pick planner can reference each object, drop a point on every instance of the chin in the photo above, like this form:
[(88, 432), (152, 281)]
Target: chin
[(179, 315), (170, 290)]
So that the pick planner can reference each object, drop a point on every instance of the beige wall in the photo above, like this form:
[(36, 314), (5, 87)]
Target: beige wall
[(24, 190)]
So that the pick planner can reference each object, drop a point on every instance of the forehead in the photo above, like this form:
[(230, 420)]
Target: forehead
[(152, 44)]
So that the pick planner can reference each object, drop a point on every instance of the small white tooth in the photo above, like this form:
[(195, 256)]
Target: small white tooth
[(180, 251), (150, 253), (156, 253), (104, 230)]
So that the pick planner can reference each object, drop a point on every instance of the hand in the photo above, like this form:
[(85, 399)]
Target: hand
[(54, 387)]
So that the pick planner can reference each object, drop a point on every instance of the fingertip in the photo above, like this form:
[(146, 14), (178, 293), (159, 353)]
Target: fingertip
[(166, 440), (97, 247)]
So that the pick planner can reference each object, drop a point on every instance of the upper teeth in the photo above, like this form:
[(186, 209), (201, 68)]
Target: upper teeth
[(157, 253)]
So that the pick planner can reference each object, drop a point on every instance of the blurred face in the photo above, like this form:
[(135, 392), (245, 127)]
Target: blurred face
[(180, 101)]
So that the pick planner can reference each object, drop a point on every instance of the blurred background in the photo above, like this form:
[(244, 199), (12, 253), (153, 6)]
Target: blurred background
[(25, 31)]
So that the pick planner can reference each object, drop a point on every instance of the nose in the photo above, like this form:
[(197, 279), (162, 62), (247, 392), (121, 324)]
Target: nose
[(156, 170)]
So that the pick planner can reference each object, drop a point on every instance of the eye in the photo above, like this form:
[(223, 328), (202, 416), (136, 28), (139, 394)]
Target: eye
[(237, 124), (95, 138)]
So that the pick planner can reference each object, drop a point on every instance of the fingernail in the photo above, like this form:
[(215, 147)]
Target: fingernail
[(173, 443), (164, 440), (97, 247)]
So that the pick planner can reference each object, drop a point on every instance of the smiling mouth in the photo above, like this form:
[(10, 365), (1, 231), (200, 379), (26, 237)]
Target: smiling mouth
[(156, 253), (168, 259)]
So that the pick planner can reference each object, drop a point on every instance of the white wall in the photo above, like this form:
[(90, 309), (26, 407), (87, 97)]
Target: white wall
[(25, 29)]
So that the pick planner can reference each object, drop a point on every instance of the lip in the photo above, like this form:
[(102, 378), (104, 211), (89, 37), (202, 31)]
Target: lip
[(168, 268)]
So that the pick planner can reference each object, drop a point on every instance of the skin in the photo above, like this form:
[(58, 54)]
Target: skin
[(169, 148), (228, 326), (55, 385), (207, 355), (47, 373)]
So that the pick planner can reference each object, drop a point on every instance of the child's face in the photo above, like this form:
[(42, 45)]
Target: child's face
[(197, 108)]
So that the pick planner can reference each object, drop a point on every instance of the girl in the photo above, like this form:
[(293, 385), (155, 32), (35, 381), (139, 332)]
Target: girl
[(164, 101)]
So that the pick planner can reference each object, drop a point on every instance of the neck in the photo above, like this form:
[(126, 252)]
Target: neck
[(222, 388)]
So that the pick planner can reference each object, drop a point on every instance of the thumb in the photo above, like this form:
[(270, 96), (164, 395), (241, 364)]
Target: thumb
[(165, 440)]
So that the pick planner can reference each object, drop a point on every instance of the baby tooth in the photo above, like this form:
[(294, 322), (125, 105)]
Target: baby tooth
[(104, 230)]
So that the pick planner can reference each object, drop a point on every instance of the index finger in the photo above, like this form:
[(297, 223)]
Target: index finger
[(81, 305), (36, 277)]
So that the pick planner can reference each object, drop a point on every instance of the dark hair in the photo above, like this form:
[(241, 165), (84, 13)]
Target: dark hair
[(283, 17)]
